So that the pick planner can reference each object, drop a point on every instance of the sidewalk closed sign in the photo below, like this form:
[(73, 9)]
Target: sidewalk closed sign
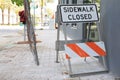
[(78, 13)]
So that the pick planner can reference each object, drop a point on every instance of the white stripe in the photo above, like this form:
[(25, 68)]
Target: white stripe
[(70, 52), (101, 45), (87, 49)]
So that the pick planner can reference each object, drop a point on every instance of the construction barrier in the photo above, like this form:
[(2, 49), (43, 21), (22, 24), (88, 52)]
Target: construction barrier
[(86, 49)]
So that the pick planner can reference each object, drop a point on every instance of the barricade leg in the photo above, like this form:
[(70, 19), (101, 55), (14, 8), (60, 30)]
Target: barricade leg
[(69, 64), (84, 50), (58, 36)]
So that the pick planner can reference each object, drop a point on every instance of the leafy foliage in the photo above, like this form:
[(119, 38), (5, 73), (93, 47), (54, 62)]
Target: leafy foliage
[(86, 1), (5, 4), (90, 1), (18, 2), (50, 0), (98, 1)]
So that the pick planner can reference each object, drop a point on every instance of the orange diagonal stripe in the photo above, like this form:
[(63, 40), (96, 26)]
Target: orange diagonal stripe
[(96, 48), (67, 56), (77, 50)]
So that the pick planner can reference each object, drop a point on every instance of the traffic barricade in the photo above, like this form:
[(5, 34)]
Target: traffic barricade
[(77, 52)]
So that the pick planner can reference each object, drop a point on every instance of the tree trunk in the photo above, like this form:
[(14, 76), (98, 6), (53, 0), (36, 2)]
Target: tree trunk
[(17, 19), (2, 16), (9, 16), (41, 16), (30, 30)]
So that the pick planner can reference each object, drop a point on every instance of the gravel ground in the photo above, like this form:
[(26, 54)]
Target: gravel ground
[(17, 63)]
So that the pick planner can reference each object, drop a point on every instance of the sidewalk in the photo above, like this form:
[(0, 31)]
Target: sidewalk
[(17, 63), (20, 27)]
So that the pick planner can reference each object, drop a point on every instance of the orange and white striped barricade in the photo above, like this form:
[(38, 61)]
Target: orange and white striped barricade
[(82, 50), (87, 49)]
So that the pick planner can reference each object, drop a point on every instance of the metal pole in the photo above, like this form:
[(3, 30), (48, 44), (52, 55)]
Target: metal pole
[(34, 14), (58, 36), (89, 30), (41, 12), (24, 32), (88, 35)]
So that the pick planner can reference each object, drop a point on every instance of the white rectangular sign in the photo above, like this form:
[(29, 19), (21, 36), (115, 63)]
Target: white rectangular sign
[(78, 13)]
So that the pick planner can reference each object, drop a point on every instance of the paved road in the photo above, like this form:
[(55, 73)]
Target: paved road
[(16, 60)]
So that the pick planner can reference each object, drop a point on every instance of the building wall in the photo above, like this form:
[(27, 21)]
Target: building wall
[(110, 33)]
